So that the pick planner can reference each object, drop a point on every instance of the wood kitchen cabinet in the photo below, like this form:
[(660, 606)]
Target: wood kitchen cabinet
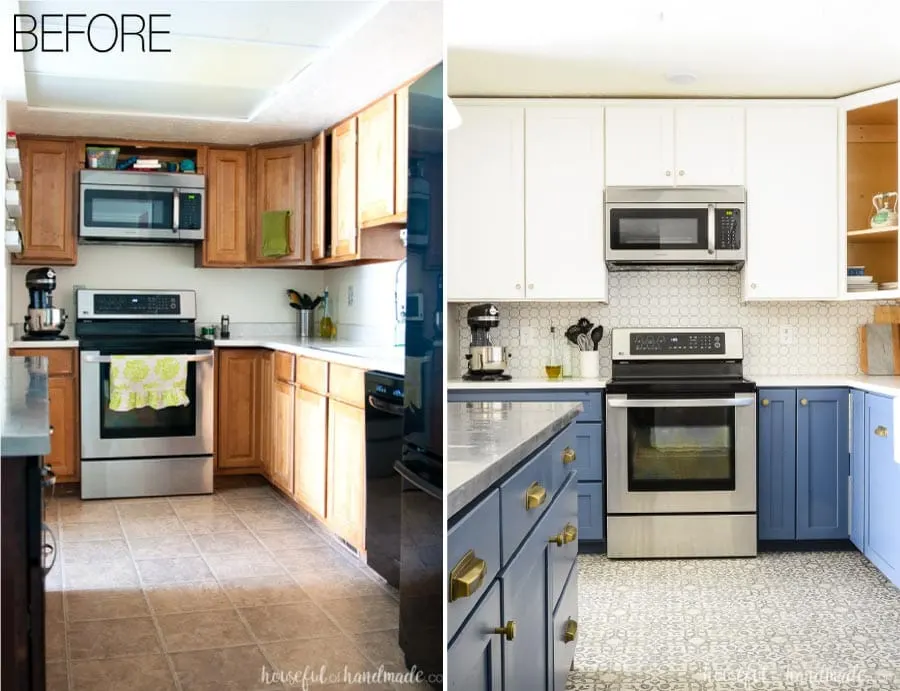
[(382, 153), (344, 226), (265, 392), (49, 202), (282, 423), (226, 242), (318, 207), (311, 450), (239, 414), (279, 186)]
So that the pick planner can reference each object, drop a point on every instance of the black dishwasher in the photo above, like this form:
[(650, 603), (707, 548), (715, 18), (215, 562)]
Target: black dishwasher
[(384, 447)]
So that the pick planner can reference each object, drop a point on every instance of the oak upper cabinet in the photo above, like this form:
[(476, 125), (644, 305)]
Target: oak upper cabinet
[(310, 449), (238, 413), (282, 422), (279, 183), (792, 207), (49, 202), (382, 161), (485, 204), (344, 227), (564, 204), (317, 202), (660, 146), (226, 240)]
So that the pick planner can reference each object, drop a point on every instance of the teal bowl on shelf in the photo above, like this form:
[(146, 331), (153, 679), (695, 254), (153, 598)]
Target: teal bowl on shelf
[(856, 271)]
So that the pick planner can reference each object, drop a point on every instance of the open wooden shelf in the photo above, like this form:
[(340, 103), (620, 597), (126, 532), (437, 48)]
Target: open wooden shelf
[(885, 234)]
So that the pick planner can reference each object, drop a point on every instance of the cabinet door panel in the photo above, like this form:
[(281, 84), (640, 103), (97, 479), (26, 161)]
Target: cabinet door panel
[(564, 161), (283, 436), (343, 190), (591, 521), (823, 464), (375, 164), (792, 154), (709, 145), (485, 199), (310, 449), (639, 146), (883, 508), (346, 472), (317, 192), (266, 432), (777, 449), (226, 188), (64, 449), (564, 617), (473, 657), (589, 452), (858, 469), (238, 421), (280, 187)]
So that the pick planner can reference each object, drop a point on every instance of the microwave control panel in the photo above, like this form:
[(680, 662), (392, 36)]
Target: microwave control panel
[(190, 211), (728, 229)]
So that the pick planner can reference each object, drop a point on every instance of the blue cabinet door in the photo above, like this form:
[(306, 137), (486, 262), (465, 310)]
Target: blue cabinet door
[(776, 449), (591, 520), (473, 657), (589, 452), (526, 601), (858, 469), (883, 496), (823, 464)]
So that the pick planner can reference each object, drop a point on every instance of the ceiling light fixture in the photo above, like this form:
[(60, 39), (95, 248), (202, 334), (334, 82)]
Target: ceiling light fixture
[(681, 78), (452, 118)]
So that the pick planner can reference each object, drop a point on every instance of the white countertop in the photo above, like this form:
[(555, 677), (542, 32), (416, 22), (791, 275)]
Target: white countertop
[(527, 383), (387, 358), (71, 343)]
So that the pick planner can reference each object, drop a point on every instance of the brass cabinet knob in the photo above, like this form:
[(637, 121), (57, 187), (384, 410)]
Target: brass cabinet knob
[(568, 455), (535, 495), (571, 631), (467, 576), (765, 402), (881, 431), (568, 534), (803, 401), (508, 631)]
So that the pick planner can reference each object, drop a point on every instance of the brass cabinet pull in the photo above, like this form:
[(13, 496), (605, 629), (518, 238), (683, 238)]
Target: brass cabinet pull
[(535, 495), (881, 431), (568, 534), (765, 402), (467, 576), (803, 401), (568, 455), (508, 631), (571, 631)]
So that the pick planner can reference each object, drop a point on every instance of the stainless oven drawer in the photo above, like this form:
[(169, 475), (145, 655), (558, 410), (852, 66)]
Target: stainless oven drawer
[(146, 477)]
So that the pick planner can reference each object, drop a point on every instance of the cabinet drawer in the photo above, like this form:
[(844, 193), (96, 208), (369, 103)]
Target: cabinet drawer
[(533, 485), (561, 528), (564, 632), (313, 374), (586, 442), (284, 367), (60, 361), (478, 531), (591, 521), (347, 384), (592, 401), (562, 453)]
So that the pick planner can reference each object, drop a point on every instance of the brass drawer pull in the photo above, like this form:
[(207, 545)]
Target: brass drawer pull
[(571, 631), (535, 495), (508, 631), (568, 455), (568, 534), (765, 402), (881, 431), (467, 576)]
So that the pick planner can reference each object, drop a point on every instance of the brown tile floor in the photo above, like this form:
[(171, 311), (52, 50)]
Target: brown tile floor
[(208, 593)]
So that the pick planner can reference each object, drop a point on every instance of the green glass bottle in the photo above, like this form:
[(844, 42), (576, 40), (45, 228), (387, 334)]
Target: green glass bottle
[(327, 329)]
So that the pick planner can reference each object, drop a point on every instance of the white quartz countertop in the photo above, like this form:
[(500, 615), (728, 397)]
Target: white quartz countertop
[(70, 343), (483, 445), (527, 383), (387, 358), (26, 408)]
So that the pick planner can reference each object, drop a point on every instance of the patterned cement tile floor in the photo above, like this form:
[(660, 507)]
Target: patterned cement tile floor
[(206, 593), (788, 620)]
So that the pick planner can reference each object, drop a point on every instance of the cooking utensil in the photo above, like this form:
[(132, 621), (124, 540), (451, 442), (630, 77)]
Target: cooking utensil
[(584, 325), (584, 343), (572, 334), (596, 335), (303, 301)]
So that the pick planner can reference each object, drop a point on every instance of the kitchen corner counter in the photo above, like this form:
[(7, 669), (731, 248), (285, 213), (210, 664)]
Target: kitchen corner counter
[(70, 343), (527, 384), (884, 385), (26, 411), (485, 444), (389, 359)]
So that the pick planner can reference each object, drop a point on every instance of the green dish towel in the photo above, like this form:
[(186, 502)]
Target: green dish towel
[(275, 232), (142, 381)]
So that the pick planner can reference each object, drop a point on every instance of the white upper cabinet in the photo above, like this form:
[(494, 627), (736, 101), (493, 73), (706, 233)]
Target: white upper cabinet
[(485, 200), (792, 203), (564, 235), (658, 146)]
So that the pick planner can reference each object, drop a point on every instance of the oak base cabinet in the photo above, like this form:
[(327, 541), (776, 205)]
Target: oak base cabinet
[(310, 450), (346, 472), (239, 414), (282, 424)]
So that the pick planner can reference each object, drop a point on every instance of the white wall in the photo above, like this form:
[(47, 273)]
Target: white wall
[(372, 313)]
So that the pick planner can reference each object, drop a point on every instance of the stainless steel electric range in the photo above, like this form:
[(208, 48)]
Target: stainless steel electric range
[(680, 445)]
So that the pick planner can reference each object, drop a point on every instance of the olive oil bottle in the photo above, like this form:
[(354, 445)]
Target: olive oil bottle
[(327, 329), (553, 367)]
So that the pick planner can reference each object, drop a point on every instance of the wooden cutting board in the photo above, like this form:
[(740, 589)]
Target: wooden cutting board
[(879, 349), (887, 314)]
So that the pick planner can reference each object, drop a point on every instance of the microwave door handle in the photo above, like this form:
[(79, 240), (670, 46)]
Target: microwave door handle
[(176, 209), (711, 230)]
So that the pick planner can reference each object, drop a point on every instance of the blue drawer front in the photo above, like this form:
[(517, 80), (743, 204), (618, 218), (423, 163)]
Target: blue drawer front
[(591, 400), (589, 452), (563, 513), (591, 521), (478, 530)]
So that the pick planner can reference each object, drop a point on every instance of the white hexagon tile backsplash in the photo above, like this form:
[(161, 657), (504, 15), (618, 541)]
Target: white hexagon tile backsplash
[(824, 334)]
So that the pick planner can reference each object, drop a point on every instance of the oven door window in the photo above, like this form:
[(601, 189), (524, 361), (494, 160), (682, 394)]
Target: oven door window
[(659, 229), (142, 423), (129, 208), (681, 449)]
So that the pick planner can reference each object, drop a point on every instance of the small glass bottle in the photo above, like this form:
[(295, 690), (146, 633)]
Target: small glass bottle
[(327, 329), (11, 141), (553, 367)]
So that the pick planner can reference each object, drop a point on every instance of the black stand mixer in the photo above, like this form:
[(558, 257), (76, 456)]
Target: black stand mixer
[(486, 361), (43, 321)]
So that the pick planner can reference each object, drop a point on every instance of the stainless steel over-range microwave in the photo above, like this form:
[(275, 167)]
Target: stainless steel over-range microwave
[(120, 205), (676, 227)]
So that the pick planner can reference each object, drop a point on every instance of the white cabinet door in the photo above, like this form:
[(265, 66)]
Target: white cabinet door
[(792, 203), (709, 145), (485, 197), (564, 238), (639, 146)]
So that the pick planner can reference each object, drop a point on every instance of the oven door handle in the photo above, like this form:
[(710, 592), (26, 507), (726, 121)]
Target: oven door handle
[(680, 402), (385, 407), (103, 359), (417, 480)]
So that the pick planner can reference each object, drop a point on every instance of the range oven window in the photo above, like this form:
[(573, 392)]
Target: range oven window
[(681, 449), (129, 208), (142, 423), (659, 229)]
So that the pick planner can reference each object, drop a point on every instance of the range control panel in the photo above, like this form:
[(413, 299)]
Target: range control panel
[(677, 343), (137, 304)]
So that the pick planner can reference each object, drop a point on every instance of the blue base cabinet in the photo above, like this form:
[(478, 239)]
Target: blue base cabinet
[(858, 401), (882, 481), (473, 658), (804, 464)]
